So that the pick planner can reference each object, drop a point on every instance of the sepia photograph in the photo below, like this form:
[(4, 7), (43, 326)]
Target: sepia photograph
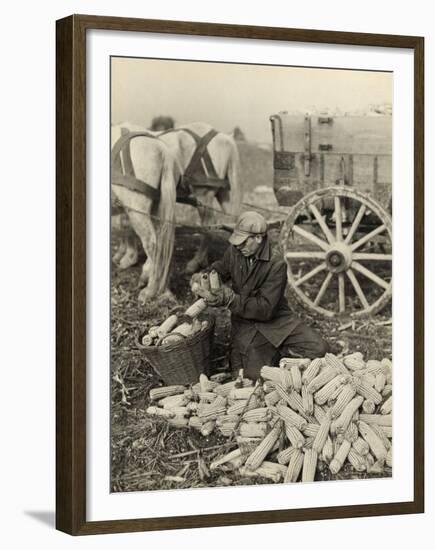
[(251, 274)]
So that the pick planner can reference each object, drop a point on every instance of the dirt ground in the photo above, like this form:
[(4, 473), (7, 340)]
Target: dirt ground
[(149, 455)]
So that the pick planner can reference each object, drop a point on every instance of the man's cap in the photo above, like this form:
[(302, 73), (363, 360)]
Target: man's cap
[(249, 223)]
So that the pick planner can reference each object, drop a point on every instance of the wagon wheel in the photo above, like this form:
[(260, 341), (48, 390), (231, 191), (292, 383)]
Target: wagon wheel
[(330, 251)]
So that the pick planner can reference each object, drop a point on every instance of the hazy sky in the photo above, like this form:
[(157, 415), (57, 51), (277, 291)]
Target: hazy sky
[(228, 95)]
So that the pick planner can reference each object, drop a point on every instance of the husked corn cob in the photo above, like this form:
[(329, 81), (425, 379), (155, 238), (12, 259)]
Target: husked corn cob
[(337, 462), (373, 366), (296, 377), (272, 398), (333, 361), (295, 402), (325, 393), (178, 421), (387, 405), (207, 396), (247, 445), (227, 429), (379, 419), (285, 455), (262, 414), (270, 470), (227, 419), (173, 401), (322, 434), (346, 416), (380, 382), (179, 411), (236, 454), (375, 443), (389, 458), (268, 386), (291, 417), (286, 379), (381, 434), (271, 373), (388, 431), (204, 383), (311, 371), (319, 413), (241, 393), (368, 406), (294, 435), (321, 379), (192, 406), (165, 391), (369, 379), (225, 389), (157, 411), (344, 398), (220, 377), (294, 466), (354, 361), (195, 422), (387, 391), (288, 362), (333, 398), (309, 467), (208, 427), (357, 461), (364, 389), (283, 394), (370, 461), (311, 430), (328, 450), (253, 429), (257, 457), (215, 409), (351, 434), (242, 406), (361, 446), (307, 400)]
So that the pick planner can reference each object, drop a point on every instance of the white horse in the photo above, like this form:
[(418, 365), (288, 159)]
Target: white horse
[(217, 180), (148, 198)]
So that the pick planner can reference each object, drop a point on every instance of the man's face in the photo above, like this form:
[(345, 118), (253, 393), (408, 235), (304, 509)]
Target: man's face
[(250, 246)]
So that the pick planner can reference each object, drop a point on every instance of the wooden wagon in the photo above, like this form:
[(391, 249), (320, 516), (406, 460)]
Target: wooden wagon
[(335, 174)]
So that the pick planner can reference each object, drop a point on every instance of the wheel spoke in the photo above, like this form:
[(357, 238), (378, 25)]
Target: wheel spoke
[(323, 288), (369, 236), (355, 224), (310, 237), (322, 223), (305, 255), (310, 274), (368, 256), (370, 275), (341, 293), (338, 219), (358, 288)]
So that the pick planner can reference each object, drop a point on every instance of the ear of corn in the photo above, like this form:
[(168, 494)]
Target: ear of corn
[(346, 416), (272, 398), (382, 436), (328, 451), (157, 411), (285, 455), (257, 457), (288, 362), (271, 373), (321, 379), (354, 361), (311, 371), (387, 406), (208, 427), (387, 391), (325, 393), (296, 377), (333, 361), (227, 429), (361, 446), (178, 421), (270, 470), (319, 413), (358, 462), (337, 462), (225, 389), (286, 379), (375, 443), (388, 431), (294, 466), (165, 391), (291, 417), (227, 419), (364, 389), (368, 406), (307, 400), (253, 429), (268, 386), (373, 366), (322, 434), (309, 466), (389, 458), (380, 382), (351, 434), (241, 393), (311, 430), (262, 414), (173, 401), (195, 422), (237, 453), (345, 396), (294, 436), (379, 419)]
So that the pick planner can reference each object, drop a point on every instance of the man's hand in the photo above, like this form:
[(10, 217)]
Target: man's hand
[(221, 297)]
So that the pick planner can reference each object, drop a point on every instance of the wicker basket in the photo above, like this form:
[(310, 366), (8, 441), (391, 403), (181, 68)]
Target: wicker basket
[(182, 362)]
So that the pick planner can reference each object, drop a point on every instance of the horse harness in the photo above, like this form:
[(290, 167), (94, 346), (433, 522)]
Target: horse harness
[(200, 171)]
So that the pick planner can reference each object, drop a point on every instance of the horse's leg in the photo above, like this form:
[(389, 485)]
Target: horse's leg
[(131, 254), (207, 216), (146, 271), (121, 250)]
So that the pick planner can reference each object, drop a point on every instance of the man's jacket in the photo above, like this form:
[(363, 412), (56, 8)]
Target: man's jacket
[(260, 304)]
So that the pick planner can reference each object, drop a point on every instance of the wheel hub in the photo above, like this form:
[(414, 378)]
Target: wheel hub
[(338, 257)]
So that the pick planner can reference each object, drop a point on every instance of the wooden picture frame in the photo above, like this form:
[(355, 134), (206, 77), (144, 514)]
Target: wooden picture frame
[(71, 273)]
